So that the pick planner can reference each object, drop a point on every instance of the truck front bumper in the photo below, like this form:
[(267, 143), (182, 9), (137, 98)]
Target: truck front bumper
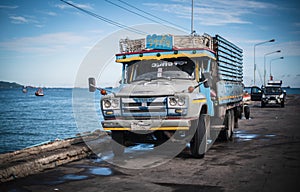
[(272, 100), (144, 125)]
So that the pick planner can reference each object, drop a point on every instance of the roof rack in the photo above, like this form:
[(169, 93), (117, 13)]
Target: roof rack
[(167, 42)]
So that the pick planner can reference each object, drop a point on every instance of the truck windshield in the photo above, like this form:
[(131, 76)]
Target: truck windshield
[(160, 69), (273, 90)]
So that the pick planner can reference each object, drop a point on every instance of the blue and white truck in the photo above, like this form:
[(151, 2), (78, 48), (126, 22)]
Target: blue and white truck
[(186, 84)]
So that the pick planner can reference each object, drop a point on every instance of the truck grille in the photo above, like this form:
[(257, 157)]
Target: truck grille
[(142, 107)]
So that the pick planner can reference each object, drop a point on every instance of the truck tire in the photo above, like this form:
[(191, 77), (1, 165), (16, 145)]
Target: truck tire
[(118, 143), (237, 116), (239, 112), (160, 137), (262, 105), (232, 122), (282, 104), (226, 133), (198, 145), (247, 112)]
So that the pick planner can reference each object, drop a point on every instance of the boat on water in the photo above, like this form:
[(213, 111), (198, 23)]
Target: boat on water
[(39, 92), (24, 90)]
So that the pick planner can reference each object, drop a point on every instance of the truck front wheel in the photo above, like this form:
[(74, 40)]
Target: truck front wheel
[(118, 143), (198, 144)]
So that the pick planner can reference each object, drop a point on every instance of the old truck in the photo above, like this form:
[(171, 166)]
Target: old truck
[(187, 84)]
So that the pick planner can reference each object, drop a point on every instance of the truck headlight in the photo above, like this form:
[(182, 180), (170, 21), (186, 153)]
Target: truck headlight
[(106, 103), (181, 101), (115, 103), (281, 96), (172, 101), (263, 96)]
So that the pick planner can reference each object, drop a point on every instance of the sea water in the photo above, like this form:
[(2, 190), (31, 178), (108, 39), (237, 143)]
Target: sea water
[(289, 91), (27, 120)]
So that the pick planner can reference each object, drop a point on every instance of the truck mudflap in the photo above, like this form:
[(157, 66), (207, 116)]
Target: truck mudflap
[(145, 125)]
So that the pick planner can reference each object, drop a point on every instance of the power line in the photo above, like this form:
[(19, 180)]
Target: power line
[(106, 19), (132, 6), (132, 11)]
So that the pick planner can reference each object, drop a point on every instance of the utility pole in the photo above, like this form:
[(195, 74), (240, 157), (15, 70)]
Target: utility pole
[(272, 40), (192, 19)]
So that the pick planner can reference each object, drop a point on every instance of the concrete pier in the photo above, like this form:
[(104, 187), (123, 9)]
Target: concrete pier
[(33, 160)]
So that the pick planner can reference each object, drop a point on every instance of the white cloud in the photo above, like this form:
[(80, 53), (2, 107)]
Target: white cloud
[(47, 43), (66, 6), (8, 6), (18, 19), (26, 19), (50, 13), (213, 12)]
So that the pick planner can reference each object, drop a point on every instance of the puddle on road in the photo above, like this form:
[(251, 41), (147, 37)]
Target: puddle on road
[(131, 152), (65, 178), (270, 135), (242, 135), (246, 137), (102, 171), (74, 177), (140, 147)]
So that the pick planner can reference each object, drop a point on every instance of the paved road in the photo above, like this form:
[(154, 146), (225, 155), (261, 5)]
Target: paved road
[(263, 156)]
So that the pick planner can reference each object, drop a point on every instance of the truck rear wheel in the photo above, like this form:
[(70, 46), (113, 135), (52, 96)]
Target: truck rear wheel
[(237, 115), (226, 134), (198, 144), (247, 112), (239, 111), (282, 104), (232, 122), (118, 143)]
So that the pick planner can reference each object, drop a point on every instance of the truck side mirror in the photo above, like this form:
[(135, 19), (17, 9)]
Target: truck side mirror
[(206, 79), (92, 84)]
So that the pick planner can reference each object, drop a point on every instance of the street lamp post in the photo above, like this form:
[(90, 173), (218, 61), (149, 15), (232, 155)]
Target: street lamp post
[(271, 77), (265, 71), (272, 40)]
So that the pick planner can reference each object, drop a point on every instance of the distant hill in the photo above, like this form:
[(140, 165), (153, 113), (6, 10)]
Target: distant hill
[(6, 85)]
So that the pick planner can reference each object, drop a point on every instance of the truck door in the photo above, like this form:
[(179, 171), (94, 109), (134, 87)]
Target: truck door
[(256, 93)]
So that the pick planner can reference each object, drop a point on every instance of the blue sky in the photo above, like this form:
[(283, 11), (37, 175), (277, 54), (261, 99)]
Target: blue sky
[(43, 43)]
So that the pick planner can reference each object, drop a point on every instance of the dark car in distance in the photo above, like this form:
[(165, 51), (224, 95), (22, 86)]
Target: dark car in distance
[(271, 94)]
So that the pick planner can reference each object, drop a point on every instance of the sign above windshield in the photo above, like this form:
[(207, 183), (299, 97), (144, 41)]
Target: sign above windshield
[(159, 42)]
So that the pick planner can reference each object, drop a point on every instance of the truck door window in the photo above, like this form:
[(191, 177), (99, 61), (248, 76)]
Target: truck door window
[(204, 65)]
